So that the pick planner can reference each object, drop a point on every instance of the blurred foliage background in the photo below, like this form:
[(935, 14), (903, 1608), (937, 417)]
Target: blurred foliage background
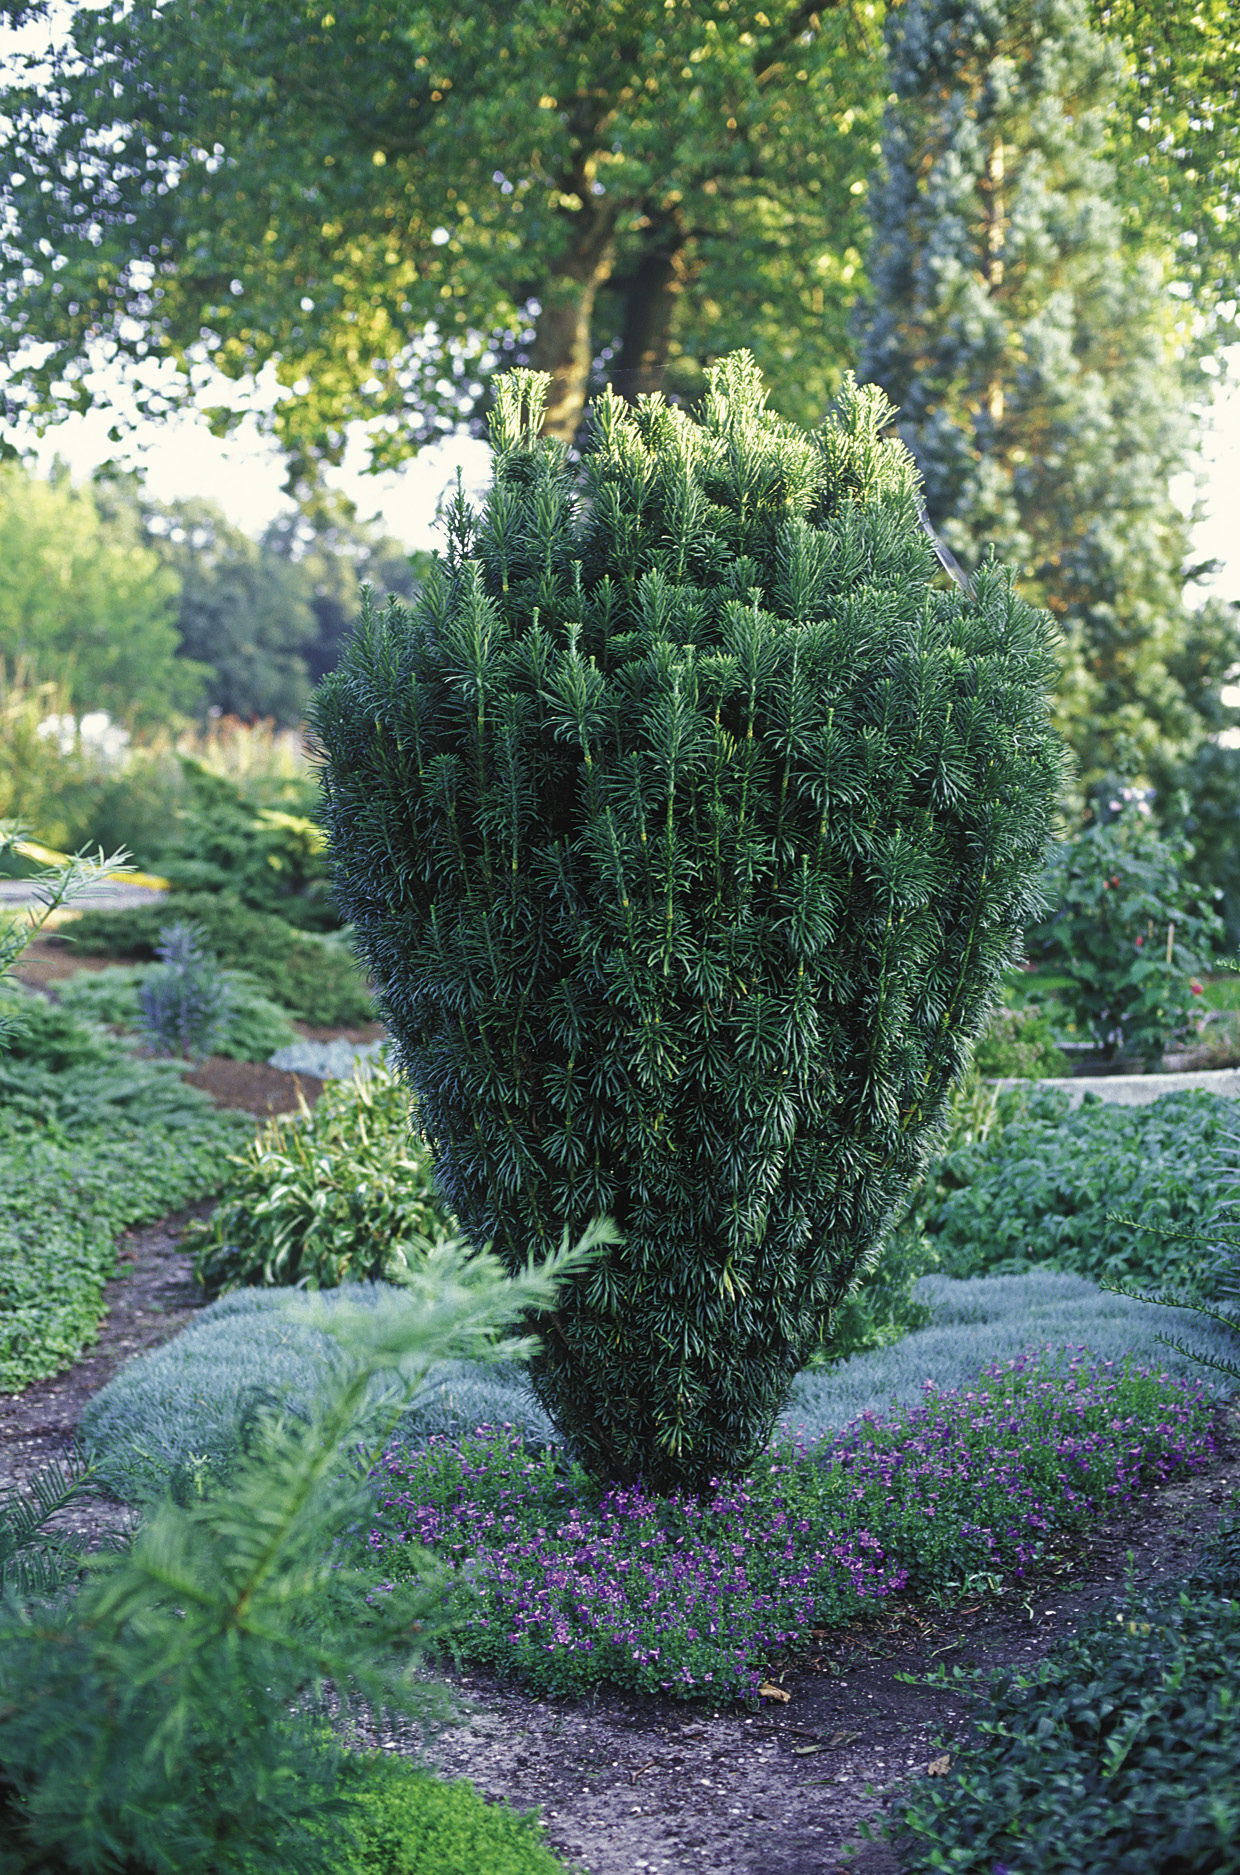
[(1018, 216)]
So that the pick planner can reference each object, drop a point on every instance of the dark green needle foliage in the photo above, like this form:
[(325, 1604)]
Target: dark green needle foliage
[(687, 823)]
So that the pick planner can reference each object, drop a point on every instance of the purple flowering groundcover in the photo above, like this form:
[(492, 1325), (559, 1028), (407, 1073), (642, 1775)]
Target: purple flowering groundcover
[(568, 1585)]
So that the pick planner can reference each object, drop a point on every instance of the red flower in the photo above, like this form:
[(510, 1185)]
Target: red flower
[(1196, 989), (1140, 942)]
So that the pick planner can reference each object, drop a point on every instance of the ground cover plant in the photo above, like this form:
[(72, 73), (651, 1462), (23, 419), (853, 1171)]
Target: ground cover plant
[(1118, 1754), (91, 1142), (64, 1200), (407, 1821), (568, 1584), (176, 1412), (177, 1415), (345, 1191), (687, 825), (1062, 1189), (310, 975)]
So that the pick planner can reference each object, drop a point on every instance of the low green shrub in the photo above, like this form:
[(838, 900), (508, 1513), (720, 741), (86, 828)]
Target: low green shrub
[(312, 976), (63, 1202), (1120, 1755), (270, 858), (1020, 1042), (409, 1822), (343, 1191), (254, 1027), (1047, 1188), (176, 1414), (63, 1073)]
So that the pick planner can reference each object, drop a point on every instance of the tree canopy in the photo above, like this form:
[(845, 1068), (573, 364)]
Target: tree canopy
[(1031, 349), (378, 198), (85, 602)]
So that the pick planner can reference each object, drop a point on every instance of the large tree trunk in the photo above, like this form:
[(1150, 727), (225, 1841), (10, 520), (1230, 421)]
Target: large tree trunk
[(562, 331), (651, 295)]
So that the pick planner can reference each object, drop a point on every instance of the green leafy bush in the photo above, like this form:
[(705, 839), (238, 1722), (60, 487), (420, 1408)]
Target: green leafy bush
[(1047, 1189), (268, 858), (313, 977), (345, 1190), (1020, 1042), (687, 825), (162, 1721), (254, 1027), (1128, 932), (1119, 1754), (409, 1822)]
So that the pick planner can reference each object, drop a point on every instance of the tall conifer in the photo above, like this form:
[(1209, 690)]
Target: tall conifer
[(1030, 350), (687, 823)]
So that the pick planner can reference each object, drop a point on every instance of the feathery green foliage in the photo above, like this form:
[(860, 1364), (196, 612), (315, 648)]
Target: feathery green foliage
[(687, 825), (163, 1720)]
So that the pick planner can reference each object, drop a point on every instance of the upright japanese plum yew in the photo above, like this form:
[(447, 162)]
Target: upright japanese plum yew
[(686, 823)]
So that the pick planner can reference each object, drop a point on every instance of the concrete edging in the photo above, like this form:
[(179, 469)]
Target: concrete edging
[(1138, 1090)]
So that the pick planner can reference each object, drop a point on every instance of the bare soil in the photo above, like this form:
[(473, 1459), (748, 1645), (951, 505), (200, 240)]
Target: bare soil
[(628, 1784)]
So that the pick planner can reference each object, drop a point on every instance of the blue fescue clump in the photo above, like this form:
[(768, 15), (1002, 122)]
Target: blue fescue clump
[(184, 1006)]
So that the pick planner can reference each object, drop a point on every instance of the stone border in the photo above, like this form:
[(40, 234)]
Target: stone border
[(1138, 1090)]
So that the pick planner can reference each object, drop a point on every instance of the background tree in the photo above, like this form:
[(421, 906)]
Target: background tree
[(335, 555), (380, 197), (244, 612), (87, 606), (1175, 139), (1032, 351)]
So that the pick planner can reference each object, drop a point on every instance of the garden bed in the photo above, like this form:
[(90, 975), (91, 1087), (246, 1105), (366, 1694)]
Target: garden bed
[(639, 1783), (643, 1782)]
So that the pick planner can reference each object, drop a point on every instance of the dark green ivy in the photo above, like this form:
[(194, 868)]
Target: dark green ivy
[(687, 823)]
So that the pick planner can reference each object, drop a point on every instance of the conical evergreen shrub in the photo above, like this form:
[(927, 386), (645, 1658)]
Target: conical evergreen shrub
[(687, 823)]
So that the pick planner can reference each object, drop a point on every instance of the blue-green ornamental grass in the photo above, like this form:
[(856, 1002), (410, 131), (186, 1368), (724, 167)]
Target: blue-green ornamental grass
[(568, 1587)]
